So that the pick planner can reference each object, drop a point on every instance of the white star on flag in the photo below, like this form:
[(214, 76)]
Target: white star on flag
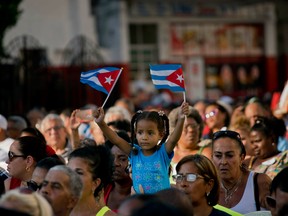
[(109, 80), (180, 78)]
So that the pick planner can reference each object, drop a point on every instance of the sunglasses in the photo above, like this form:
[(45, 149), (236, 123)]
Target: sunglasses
[(128, 169), (211, 114), (33, 185), (190, 177), (12, 155), (271, 201), (227, 133), (230, 134)]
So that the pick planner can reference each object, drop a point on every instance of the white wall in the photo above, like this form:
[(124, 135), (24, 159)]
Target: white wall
[(54, 23)]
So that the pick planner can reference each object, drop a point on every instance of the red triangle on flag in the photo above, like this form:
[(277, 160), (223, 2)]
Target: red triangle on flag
[(108, 79), (177, 77)]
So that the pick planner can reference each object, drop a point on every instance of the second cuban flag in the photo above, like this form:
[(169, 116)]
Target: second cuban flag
[(168, 76)]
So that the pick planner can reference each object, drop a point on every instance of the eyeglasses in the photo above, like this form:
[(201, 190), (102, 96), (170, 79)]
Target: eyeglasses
[(33, 185), (11, 156), (56, 128), (190, 177), (211, 114), (271, 201)]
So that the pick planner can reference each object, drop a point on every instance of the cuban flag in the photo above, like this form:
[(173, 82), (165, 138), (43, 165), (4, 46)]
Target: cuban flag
[(102, 79), (168, 76)]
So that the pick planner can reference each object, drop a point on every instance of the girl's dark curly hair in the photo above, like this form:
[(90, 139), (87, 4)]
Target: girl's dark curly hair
[(159, 118)]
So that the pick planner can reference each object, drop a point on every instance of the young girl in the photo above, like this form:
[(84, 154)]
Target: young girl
[(150, 159)]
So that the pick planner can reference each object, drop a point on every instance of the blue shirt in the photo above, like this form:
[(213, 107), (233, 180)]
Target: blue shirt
[(152, 172)]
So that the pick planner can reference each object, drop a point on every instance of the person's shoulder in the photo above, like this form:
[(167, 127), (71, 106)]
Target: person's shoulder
[(221, 210), (217, 212), (263, 179), (259, 213)]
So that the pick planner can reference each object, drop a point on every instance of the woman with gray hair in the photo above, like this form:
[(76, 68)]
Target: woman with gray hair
[(189, 142)]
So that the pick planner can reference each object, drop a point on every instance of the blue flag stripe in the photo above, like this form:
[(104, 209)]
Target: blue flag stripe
[(160, 67), (159, 74), (174, 88)]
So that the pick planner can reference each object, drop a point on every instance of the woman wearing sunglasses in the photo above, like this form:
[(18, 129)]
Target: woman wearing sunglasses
[(241, 190), (197, 177), (217, 117), (23, 156)]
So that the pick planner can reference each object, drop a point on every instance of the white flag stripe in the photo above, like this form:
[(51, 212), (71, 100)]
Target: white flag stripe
[(164, 82), (103, 70), (92, 73), (95, 80), (162, 73), (87, 74)]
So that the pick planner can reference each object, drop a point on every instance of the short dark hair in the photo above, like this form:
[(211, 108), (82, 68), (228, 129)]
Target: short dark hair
[(155, 208), (49, 162), (280, 181), (121, 133), (121, 125)]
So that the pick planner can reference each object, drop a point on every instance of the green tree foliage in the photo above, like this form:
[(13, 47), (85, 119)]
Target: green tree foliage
[(9, 14)]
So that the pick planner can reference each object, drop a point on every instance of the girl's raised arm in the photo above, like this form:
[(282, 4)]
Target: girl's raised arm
[(176, 134), (109, 133)]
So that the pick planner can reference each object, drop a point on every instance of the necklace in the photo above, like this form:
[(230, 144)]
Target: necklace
[(230, 191)]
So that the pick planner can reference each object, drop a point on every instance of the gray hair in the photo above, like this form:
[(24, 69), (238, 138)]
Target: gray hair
[(51, 116), (75, 182), (117, 110), (19, 122), (28, 203)]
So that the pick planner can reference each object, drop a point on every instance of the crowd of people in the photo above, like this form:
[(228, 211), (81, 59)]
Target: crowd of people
[(201, 158)]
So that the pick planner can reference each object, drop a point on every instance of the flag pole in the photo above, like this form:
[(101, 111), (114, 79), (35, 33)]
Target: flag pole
[(112, 88), (184, 96)]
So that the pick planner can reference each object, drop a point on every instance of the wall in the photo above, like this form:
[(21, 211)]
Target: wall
[(54, 23)]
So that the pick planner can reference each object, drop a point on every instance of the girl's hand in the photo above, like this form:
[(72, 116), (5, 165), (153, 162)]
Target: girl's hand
[(74, 122), (184, 111), (99, 115)]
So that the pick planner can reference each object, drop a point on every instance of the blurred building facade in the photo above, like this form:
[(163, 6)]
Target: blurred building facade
[(226, 47)]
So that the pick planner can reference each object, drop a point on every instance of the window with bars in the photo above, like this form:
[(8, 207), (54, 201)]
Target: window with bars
[(143, 49)]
